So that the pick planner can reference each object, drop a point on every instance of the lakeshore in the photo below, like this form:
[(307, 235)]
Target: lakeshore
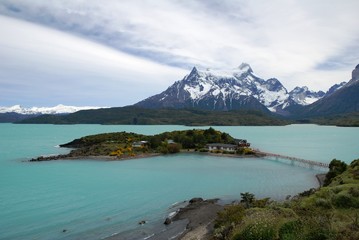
[(139, 156), (93, 157), (194, 221), (200, 216), (91, 192)]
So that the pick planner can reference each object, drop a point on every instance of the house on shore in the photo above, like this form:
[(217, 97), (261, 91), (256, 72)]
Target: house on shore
[(139, 144), (221, 147), (170, 141), (242, 143)]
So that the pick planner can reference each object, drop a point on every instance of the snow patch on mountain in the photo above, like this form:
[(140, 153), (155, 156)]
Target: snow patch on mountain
[(232, 89), (221, 89), (233, 83), (59, 109), (304, 96)]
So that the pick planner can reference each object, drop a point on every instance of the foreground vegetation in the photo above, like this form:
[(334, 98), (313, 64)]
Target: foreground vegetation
[(332, 212)]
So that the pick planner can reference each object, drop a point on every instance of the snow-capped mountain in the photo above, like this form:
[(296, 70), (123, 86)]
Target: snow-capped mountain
[(304, 96), (59, 109), (237, 88)]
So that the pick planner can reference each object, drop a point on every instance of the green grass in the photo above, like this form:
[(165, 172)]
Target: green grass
[(331, 212)]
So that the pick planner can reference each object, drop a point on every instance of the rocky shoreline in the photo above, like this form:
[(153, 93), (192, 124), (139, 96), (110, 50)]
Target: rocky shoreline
[(92, 157), (193, 221), (201, 215), (72, 156), (321, 178)]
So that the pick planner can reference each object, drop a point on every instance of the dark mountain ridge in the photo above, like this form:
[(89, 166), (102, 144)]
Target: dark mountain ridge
[(132, 115), (344, 100)]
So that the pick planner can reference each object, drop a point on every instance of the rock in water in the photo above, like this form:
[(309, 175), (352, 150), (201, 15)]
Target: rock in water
[(195, 200), (168, 221)]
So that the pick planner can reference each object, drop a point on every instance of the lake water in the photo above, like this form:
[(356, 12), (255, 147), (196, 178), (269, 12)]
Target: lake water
[(95, 199)]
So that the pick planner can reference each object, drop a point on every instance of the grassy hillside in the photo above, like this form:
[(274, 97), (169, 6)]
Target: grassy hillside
[(344, 120), (331, 212), (191, 117), (141, 116), (14, 117)]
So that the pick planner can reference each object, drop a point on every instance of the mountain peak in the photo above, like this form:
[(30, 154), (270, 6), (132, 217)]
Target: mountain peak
[(245, 67), (232, 89), (304, 96), (355, 73), (334, 88), (341, 98), (355, 77), (221, 89), (193, 71)]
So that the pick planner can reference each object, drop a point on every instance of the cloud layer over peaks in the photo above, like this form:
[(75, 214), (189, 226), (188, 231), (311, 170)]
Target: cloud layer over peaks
[(301, 42)]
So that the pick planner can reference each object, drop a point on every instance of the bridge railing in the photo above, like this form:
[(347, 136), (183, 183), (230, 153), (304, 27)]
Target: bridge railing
[(301, 160)]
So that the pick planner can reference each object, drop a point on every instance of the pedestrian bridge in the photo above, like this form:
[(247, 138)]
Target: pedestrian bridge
[(301, 161)]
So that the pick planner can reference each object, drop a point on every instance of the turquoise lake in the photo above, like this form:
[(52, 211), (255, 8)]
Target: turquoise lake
[(92, 199)]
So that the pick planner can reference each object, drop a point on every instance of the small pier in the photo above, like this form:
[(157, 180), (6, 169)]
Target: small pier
[(301, 161)]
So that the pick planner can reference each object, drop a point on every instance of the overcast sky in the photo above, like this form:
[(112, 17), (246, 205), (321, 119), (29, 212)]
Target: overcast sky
[(118, 52)]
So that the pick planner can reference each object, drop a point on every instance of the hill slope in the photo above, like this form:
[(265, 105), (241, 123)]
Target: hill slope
[(344, 100), (136, 115)]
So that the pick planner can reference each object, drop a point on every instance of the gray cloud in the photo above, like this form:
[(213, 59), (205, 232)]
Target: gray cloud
[(44, 66), (300, 42)]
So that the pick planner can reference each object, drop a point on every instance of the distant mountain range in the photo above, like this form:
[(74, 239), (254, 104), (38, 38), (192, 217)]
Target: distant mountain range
[(233, 89), (17, 113), (232, 97), (59, 109)]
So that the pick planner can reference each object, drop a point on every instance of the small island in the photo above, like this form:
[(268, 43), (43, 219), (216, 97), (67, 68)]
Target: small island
[(128, 145)]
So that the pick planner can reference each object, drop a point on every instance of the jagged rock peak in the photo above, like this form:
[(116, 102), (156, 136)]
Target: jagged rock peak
[(355, 73), (213, 74), (245, 67), (334, 88), (194, 71), (304, 96), (299, 89)]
